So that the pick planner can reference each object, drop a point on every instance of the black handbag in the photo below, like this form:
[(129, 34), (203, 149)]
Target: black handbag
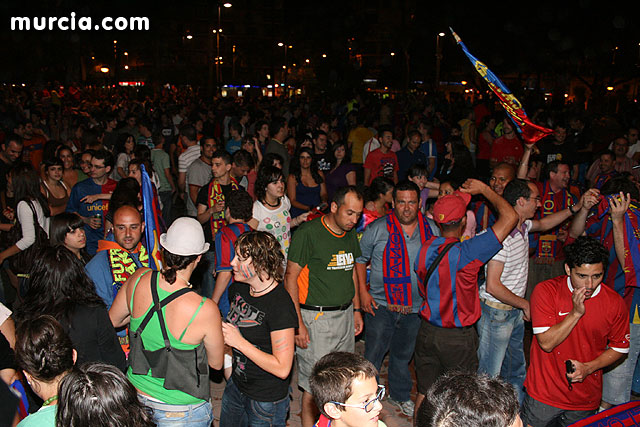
[(21, 262)]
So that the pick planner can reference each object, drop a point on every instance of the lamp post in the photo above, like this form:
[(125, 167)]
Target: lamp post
[(217, 32), (438, 59), (284, 67)]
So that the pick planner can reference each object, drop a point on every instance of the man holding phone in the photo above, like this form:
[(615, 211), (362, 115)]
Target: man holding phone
[(581, 327)]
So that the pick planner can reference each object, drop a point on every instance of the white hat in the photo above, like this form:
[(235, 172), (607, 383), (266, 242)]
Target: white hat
[(185, 237)]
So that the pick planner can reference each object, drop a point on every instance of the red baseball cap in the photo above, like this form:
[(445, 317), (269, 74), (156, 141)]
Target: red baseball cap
[(451, 208)]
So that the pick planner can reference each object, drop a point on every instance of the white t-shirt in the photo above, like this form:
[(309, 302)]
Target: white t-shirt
[(276, 222), (5, 313), (515, 257), (25, 217), (187, 157), (121, 162)]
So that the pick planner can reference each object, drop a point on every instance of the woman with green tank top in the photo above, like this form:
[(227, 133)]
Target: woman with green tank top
[(175, 334)]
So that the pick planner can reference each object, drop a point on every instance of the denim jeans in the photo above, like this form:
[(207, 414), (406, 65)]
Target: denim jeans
[(393, 333), (203, 275), (239, 410), (167, 204), (501, 350), (616, 383), (198, 415)]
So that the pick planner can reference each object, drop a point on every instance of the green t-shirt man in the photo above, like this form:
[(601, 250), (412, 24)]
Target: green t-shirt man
[(327, 260)]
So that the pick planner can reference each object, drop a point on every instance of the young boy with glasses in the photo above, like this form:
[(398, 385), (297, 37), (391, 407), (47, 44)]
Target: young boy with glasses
[(345, 388)]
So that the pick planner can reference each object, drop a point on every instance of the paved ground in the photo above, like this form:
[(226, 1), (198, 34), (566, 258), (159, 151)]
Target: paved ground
[(391, 415)]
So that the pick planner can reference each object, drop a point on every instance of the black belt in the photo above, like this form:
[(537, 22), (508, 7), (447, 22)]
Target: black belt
[(326, 308)]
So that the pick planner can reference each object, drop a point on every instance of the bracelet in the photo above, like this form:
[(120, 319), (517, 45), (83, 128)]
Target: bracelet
[(571, 210), (357, 310)]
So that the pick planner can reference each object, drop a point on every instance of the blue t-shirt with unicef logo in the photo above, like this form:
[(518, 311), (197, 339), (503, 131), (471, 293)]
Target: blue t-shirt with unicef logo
[(87, 188)]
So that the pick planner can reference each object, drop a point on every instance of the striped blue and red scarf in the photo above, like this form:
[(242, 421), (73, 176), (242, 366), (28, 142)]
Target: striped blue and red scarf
[(396, 266)]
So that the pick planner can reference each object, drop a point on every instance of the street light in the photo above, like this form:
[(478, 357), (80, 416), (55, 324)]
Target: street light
[(104, 69), (438, 58), (284, 67), (217, 33)]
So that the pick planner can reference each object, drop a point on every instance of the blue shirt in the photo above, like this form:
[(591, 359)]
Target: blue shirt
[(372, 244), (406, 159), (88, 188), (233, 145), (451, 298)]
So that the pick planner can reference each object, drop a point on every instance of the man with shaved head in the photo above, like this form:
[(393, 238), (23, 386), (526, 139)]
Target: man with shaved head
[(119, 258), (502, 174)]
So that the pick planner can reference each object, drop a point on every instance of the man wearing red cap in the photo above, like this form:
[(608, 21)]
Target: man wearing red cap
[(447, 339)]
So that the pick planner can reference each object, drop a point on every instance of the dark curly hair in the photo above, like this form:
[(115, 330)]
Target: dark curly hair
[(469, 399), (586, 250), (265, 252), (97, 394), (43, 348), (240, 205), (58, 285)]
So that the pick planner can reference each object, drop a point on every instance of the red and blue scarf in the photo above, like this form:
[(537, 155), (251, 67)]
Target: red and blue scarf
[(396, 267), (217, 220), (602, 178)]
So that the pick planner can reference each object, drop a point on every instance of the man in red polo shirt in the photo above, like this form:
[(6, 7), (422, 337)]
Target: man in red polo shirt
[(580, 327)]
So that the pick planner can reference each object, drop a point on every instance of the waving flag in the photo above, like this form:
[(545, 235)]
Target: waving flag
[(153, 224), (529, 131), (631, 255)]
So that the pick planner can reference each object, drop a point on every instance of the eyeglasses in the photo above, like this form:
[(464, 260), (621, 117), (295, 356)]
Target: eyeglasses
[(367, 406), (537, 199), (97, 167)]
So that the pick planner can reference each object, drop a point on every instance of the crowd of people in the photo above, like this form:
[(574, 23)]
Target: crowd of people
[(290, 227)]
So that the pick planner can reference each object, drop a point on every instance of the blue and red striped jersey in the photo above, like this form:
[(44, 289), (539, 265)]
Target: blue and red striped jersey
[(225, 240), (451, 296)]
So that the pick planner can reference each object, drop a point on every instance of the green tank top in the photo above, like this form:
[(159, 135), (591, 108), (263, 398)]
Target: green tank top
[(152, 336)]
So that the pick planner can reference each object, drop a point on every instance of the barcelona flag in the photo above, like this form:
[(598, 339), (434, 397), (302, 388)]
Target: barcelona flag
[(153, 223), (631, 290), (529, 131)]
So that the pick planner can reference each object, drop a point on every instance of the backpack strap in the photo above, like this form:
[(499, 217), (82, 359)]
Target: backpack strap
[(436, 262), (157, 307)]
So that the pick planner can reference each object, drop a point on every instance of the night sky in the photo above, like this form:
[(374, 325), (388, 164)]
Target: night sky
[(565, 38)]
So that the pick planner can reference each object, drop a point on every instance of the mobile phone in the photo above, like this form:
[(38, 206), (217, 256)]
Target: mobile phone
[(570, 369)]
